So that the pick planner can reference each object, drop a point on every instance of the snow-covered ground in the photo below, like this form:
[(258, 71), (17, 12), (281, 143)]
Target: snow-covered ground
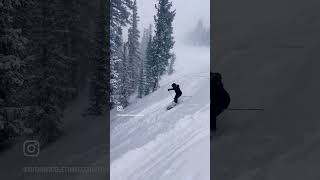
[(153, 143)]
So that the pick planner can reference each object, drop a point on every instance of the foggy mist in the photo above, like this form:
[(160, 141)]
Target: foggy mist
[(188, 12)]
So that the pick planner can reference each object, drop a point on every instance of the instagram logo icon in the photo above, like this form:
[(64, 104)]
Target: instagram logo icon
[(31, 148)]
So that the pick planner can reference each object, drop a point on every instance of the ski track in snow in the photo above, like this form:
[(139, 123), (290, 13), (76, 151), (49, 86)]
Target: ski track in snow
[(160, 144)]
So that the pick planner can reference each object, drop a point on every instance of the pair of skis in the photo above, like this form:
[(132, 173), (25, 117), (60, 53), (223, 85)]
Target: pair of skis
[(170, 106)]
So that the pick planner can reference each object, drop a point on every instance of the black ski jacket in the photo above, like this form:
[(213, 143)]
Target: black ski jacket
[(176, 90), (220, 97)]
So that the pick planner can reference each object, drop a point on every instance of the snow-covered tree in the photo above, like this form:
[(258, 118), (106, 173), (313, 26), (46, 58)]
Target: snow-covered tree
[(120, 13), (133, 50), (151, 64), (142, 74), (12, 69), (53, 64), (124, 86), (144, 43), (99, 76), (44, 49), (163, 40)]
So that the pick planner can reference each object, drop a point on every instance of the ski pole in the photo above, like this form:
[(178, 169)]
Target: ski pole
[(245, 109), (170, 94)]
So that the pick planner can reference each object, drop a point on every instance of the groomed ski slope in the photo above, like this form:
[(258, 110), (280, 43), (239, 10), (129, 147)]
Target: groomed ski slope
[(151, 143)]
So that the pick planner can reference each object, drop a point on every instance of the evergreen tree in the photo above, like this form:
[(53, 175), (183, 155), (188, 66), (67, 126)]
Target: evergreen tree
[(142, 76), (150, 64), (124, 86), (144, 43), (12, 69), (99, 77), (73, 46), (119, 18), (53, 63), (141, 81), (163, 40), (133, 47), (43, 48)]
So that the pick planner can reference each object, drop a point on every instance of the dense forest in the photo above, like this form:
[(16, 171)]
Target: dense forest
[(138, 63), (52, 50)]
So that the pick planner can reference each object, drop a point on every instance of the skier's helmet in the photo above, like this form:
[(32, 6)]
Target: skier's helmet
[(217, 77), (173, 85)]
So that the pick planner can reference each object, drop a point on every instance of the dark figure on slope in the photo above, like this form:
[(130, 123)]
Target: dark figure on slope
[(220, 98), (177, 90)]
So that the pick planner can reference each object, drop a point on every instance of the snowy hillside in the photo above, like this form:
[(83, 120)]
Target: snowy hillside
[(149, 142)]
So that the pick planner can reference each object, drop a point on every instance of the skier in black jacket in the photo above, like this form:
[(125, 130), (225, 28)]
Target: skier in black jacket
[(220, 98), (177, 90)]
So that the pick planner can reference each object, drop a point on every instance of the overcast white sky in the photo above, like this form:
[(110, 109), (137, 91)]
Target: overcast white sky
[(187, 14)]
